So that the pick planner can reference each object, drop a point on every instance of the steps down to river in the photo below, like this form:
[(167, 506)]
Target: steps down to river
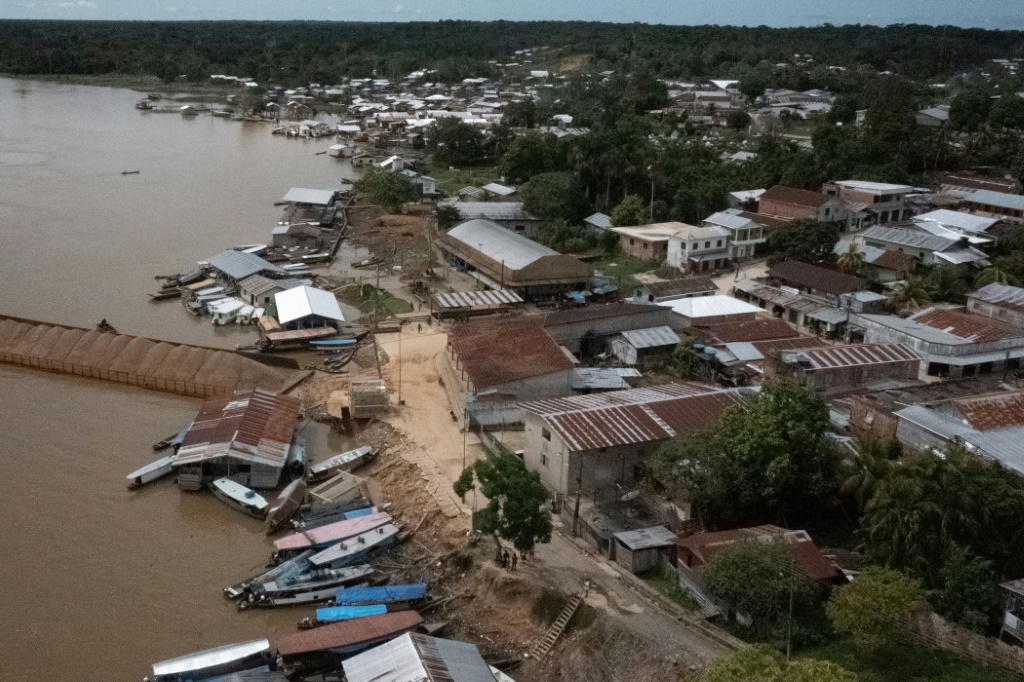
[(157, 365)]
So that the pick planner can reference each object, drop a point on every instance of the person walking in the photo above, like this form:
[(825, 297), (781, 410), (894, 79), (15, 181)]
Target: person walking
[(504, 559), (515, 560)]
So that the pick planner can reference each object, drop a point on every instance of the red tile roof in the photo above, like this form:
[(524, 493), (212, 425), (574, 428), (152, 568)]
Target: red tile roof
[(500, 352), (897, 261), (794, 196), (959, 322), (753, 330), (806, 276), (989, 412)]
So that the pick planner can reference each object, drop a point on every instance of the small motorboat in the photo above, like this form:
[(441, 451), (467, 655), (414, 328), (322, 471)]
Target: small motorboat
[(151, 471), (288, 502), (241, 498), (346, 461)]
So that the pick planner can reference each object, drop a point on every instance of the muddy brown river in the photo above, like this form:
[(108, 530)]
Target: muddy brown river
[(100, 581)]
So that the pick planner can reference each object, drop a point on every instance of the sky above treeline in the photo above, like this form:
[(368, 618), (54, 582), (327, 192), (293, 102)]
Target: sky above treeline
[(1006, 14)]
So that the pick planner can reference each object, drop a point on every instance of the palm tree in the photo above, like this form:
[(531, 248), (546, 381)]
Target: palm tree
[(851, 261), (874, 462), (910, 294), (997, 273)]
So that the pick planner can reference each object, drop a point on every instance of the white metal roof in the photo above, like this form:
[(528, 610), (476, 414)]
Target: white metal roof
[(599, 220), (317, 197), (748, 194), (492, 210), (202, 660), (294, 304), (709, 306), (875, 187), (499, 244), (999, 200), (652, 337), (731, 219), (958, 220), (906, 237), (607, 378), (500, 190), (419, 658), (646, 538)]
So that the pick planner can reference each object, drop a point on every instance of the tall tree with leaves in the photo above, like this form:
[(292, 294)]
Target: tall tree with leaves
[(517, 501), (809, 242), (851, 261), (555, 196), (875, 609), (630, 211), (761, 664), (386, 188), (455, 142)]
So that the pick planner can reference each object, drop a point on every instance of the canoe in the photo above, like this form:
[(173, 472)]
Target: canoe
[(211, 662), (332, 342), (349, 612), (324, 536), (289, 569), (239, 497), (346, 461), (358, 548), (151, 471), (287, 503), (313, 580)]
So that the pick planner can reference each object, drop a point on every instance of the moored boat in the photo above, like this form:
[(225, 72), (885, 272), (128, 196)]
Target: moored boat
[(346, 461), (333, 613), (151, 471), (358, 548), (324, 536), (346, 637), (239, 497), (287, 503), (221, 660)]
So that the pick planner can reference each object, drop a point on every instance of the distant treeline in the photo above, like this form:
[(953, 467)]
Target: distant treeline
[(292, 53)]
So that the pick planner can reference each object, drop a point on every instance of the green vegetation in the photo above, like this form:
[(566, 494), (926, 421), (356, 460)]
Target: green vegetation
[(623, 268), (665, 579), (907, 663), (367, 298), (387, 189), (555, 196), (875, 610), (761, 664), (804, 241), (455, 143)]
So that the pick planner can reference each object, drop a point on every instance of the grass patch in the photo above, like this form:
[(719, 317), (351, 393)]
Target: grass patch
[(451, 180), (908, 664), (666, 581), (367, 297), (623, 268)]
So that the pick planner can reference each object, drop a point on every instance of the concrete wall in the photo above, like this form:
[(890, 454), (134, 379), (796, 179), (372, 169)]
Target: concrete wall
[(652, 250), (931, 628), (914, 436), (998, 312), (866, 417), (569, 334), (837, 379)]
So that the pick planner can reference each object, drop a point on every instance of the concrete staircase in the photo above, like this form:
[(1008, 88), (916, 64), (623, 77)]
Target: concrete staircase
[(558, 627)]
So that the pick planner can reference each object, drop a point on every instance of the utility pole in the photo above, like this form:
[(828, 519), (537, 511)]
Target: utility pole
[(465, 430), (792, 589), (579, 490), (400, 401), (652, 194)]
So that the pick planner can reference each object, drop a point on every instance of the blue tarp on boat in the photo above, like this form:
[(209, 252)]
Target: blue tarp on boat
[(356, 513), (333, 342), (350, 612), (350, 596)]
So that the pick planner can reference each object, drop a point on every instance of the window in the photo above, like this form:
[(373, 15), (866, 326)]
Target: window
[(828, 211), (520, 228), (719, 244), (707, 245), (545, 434), (650, 298), (646, 245), (631, 242), (543, 459)]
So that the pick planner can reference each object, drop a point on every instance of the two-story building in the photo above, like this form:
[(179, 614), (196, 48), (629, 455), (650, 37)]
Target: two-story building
[(699, 249), (791, 204), (649, 242), (745, 232), (881, 202), (998, 301), (927, 248)]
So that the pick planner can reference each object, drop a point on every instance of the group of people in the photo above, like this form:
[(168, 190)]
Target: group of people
[(509, 561)]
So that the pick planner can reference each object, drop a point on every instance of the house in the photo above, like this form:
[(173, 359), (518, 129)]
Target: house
[(673, 290), (502, 259), (699, 249), (694, 552), (927, 248), (234, 266), (705, 310), (246, 436), (498, 191), (881, 202), (745, 232), (988, 202), (259, 291), (297, 234), (998, 301), (958, 221), (790, 203), (598, 221), (761, 329), (300, 197), (491, 365), (598, 379), (838, 369), (508, 214), (414, 657), (641, 347), (887, 265), (806, 312), (645, 548), (423, 185), (648, 242), (933, 117), (1013, 614), (745, 200), (952, 341), (811, 279), (602, 439), (307, 308), (586, 330)]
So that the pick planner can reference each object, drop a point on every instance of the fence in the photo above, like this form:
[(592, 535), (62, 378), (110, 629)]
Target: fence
[(938, 632)]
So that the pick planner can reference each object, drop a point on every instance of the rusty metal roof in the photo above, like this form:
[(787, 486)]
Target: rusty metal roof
[(346, 635), (636, 416), (678, 287), (1002, 295), (255, 426), (600, 311), (497, 352), (794, 196), (998, 411), (806, 276), (854, 355), (967, 326), (764, 329)]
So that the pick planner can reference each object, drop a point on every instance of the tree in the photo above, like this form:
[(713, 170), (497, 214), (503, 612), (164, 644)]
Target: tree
[(968, 592), (516, 508), (555, 195), (448, 216), (738, 120), (998, 272), (1008, 112), (385, 188), (761, 664), (969, 111), (758, 579), (454, 142), (630, 211), (532, 154), (873, 463), (464, 483), (804, 241), (521, 114), (875, 609), (765, 454), (910, 294), (851, 261)]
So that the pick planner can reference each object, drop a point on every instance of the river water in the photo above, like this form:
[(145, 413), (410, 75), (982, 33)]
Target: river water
[(100, 581)]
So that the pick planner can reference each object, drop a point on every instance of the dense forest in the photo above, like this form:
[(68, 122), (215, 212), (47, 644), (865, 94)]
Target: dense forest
[(293, 53)]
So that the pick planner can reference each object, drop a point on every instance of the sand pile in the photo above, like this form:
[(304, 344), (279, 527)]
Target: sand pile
[(130, 359)]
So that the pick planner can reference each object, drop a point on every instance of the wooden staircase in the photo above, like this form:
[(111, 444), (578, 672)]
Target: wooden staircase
[(556, 629)]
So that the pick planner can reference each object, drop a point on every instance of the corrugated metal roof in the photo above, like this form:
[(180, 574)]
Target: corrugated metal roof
[(493, 210), (874, 187), (957, 219), (499, 244), (602, 378), (295, 304), (332, 532), (731, 218), (646, 538), (1001, 200), (636, 416), (931, 420), (478, 299), (351, 596), (676, 287), (203, 660), (990, 412), (805, 276), (710, 306), (258, 285), (255, 426), (500, 190), (910, 238), (496, 352), (317, 197), (652, 337), (744, 351), (238, 264), (1002, 295), (794, 196), (419, 658), (762, 329), (346, 634), (853, 355), (1003, 445), (964, 325), (600, 220)]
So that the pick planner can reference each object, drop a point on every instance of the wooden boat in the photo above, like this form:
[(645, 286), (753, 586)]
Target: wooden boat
[(387, 594), (221, 113), (239, 497), (289, 569), (287, 503), (345, 637), (367, 263), (130, 172), (165, 295), (151, 471), (298, 599), (144, 105), (221, 660), (313, 580), (346, 461), (358, 548), (325, 536)]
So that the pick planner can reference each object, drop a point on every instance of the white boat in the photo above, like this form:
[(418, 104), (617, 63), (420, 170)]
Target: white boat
[(340, 151), (219, 661), (238, 496), (151, 471), (225, 311), (244, 315), (346, 461), (358, 548)]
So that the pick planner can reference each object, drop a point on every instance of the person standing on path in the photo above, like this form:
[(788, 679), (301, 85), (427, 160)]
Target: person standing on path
[(515, 560)]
